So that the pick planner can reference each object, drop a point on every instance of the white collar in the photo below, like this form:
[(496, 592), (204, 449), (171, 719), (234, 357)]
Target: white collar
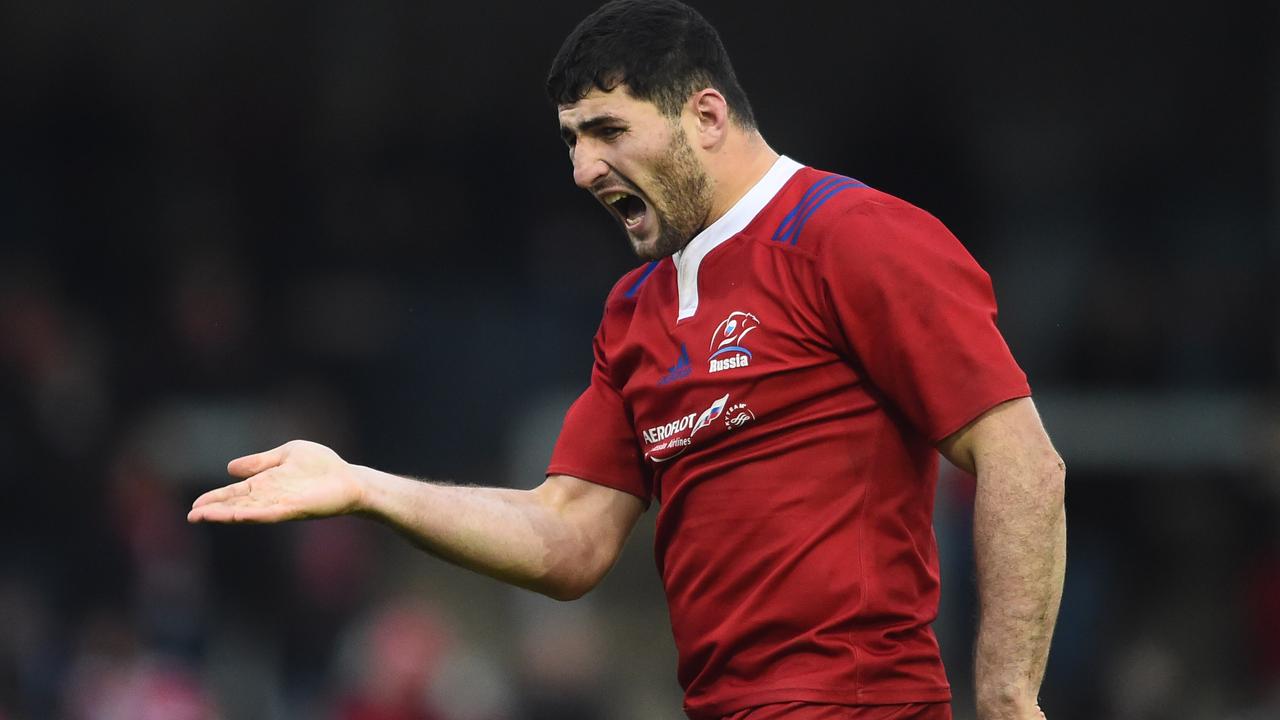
[(730, 224)]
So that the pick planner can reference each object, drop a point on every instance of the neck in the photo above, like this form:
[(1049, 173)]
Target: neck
[(745, 159)]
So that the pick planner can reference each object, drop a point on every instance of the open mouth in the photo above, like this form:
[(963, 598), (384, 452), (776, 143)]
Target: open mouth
[(630, 209)]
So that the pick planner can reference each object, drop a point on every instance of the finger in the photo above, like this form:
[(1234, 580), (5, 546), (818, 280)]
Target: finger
[(250, 465), (230, 512), (226, 492)]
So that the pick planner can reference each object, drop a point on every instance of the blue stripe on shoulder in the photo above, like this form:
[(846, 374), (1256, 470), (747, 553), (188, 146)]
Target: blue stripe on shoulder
[(635, 287), (814, 198), (805, 199)]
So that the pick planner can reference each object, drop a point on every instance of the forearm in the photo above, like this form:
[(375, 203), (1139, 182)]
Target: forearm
[(517, 536), (1020, 553)]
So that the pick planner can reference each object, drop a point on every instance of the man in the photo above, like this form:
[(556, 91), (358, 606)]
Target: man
[(780, 376)]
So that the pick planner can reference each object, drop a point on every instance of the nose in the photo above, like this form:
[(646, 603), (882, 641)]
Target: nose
[(588, 167)]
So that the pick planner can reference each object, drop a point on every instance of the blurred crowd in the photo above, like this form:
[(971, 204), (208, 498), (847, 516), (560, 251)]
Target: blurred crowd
[(224, 226)]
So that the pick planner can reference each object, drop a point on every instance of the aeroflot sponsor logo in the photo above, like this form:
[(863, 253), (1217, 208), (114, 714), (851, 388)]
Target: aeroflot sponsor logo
[(662, 432), (671, 439), (728, 350)]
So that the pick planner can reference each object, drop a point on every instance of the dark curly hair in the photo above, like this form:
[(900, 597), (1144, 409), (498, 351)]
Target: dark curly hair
[(662, 50)]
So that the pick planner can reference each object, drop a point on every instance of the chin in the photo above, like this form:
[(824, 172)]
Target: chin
[(657, 247), (645, 248), (649, 250)]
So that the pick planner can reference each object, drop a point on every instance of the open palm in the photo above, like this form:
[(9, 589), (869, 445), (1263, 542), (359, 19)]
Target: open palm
[(294, 481)]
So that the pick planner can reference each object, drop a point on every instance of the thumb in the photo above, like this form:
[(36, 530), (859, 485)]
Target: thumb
[(250, 465)]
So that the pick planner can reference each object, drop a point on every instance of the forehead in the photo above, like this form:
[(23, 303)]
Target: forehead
[(617, 103)]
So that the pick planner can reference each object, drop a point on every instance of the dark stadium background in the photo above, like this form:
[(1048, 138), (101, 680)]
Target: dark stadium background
[(227, 224)]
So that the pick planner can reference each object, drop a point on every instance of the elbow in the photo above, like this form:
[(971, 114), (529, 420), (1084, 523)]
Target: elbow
[(1047, 454), (566, 593), (565, 587), (576, 573), (1034, 478), (1053, 477)]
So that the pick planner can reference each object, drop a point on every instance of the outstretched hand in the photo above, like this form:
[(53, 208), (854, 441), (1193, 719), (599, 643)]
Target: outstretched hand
[(297, 480)]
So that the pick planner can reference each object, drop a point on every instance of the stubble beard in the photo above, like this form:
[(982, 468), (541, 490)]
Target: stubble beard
[(682, 201)]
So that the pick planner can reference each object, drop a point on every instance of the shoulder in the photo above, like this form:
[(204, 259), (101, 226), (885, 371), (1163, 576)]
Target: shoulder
[(834, 218), (620, 304), (824, 208), (626, 291)]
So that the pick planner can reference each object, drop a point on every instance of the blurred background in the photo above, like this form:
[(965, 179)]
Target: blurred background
[(228, 224)]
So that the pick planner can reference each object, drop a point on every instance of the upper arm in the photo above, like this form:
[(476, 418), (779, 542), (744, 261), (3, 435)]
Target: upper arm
[(1009, 434), (600, 516)]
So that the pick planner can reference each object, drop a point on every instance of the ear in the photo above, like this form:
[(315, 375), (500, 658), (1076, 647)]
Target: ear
[(711, 114)]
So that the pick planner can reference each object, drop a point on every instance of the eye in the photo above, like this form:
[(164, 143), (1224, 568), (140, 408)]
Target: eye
[(611, 133)]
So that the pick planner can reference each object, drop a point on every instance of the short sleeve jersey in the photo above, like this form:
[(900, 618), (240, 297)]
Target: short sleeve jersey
[(778, 387)]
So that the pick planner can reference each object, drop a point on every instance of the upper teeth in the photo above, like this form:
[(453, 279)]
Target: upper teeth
[(613, 197)]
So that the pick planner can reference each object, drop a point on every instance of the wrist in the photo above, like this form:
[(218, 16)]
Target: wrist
[(382, 495), (364, 482)]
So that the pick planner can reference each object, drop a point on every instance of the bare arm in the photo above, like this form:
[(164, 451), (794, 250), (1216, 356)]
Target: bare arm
[(558, 539), (1020, 533)]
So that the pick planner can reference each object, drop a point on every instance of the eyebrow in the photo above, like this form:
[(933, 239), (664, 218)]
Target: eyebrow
[(587, 125)]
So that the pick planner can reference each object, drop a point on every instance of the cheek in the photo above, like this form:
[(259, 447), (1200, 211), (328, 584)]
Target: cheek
[(658, 171)]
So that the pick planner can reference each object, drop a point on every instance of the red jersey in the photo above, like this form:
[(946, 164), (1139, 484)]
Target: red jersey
[(778, 386)]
